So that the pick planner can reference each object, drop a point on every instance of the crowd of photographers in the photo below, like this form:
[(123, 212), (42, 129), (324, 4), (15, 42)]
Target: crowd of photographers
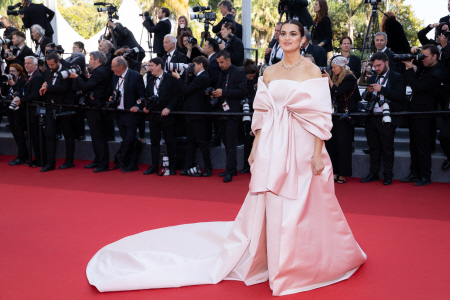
[(215, 77)]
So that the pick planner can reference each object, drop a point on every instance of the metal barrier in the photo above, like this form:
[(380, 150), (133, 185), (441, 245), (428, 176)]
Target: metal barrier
[(256, 53)]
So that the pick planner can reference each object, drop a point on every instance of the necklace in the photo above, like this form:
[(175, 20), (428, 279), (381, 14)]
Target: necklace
[(289, 68)]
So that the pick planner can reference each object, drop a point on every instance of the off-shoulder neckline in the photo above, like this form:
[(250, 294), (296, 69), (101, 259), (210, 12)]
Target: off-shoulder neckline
[(293, 80)]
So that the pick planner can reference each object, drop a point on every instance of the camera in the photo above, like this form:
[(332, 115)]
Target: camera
[(2, 25), (110, 9), (218, 39), (439, 27), (145, 14), (65, 74), (214, 100), (4, 41), (372, 100), (205, 12), (7, 77), (115, 99), (15, 96), (345, 116), (41, 112), (85, 98), (12, 12), (180, 67), (408, 57), (246, 109), (372, 1), (13, 50), (75, 69), (326, 69), (55, 48), (129, 55), (192, 40), (151, 102)]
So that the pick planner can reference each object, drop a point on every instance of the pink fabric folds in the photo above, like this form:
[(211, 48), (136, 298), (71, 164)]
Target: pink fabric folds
[(309, 104)]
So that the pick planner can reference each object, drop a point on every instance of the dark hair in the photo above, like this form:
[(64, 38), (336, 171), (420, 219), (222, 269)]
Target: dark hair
[(81, 46), (213, 44), (230, 26), (379, 56), (223, 53), (227, 4), (55, 56), (434, 50), (165, 11), (181, 37), (250, 67), (179, 30), (19, 33), (322, 12), (295, 22), (19, 69), (345, 38), (157, 61), (201, 60)]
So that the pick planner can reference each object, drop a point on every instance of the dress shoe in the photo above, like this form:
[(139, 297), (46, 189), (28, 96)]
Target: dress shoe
[(36, 163), (225, 173), (227, 178), (101, 169), (134, 168), (422, 182), (208, 173), (410, 178), (92, 166), (244, 171), (16, 162), (173, 172), (184, 172), (151, 170), (445, 165), (68, 164), (369, 178), (387, 181), (48, 167), (125, 169)]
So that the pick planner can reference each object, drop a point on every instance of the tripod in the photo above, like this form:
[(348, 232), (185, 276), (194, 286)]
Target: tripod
[(205, 34), (283, 9), (372, 29), (112, 34)]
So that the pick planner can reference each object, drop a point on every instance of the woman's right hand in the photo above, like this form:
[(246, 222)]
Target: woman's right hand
[(251, 158)]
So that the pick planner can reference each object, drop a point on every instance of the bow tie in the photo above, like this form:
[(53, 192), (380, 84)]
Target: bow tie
[(169, 55)]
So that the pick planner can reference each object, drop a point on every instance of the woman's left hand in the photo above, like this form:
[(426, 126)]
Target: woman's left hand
[(11, 82), (189, 46), (317, 165)]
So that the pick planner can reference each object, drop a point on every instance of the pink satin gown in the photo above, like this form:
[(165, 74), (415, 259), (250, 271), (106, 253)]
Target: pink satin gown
[(290, 230)]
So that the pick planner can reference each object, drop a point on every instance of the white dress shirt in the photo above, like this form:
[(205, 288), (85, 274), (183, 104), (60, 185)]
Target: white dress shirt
[(119, 86), (156, 84)]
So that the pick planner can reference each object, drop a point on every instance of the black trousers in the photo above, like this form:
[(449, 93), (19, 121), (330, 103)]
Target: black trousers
[(229, 130), (18, 125), (380, 139), (166, 126), (50, 134), (79, 129), (339, 147), (444, 137), (96, 120), (142, 127), (127, 131), (109, 126), (34, 131), (419, 145), (196, 135)]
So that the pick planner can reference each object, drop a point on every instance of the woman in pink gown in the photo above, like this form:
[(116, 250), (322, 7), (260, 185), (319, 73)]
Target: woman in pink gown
[(290, 230)]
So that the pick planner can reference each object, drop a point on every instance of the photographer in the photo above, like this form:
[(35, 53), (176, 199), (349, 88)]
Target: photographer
[(129, 91), (231, 90), (134, 65), (274, 53), (397, 40), (16, 53), (161, 89), (32, 85), (390, 86), (210, 49), (322, 33), (38, 35), (190, 50), (424, 83), (233, 44), (319, 54), (424, 40), (8, 28), (345, 95), (160, 30), (225, 7), (172, 54), (298, 9), (445, 19), (354, 62), (196, 101), (238, 26), (125, 37), (16, 115), (37, 14), (57, 89), (108, 48), (95, 92)]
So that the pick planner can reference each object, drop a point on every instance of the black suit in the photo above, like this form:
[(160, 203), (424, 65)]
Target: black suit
[(160, 30), (423, 39), (445, 19), (213, 70), (20, 59), (299, 9), (96, 119), (41, 15), (177, 57), (126, 38), (45, 40), (355, 65), (236, 49), (196, 101), (322, 32), (133, 90), (169, 96), (380, 138), (228, 18), (271, 45), (319, 54), (423, 83), (58, 93), (233, 93)]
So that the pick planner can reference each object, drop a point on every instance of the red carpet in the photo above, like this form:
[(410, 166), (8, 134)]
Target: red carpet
[(52, 224)]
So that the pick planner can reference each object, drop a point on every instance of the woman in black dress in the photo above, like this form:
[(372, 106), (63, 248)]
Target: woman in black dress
[(322, 33)]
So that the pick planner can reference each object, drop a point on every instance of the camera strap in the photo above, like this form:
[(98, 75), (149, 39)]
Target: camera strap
[(346, 101)]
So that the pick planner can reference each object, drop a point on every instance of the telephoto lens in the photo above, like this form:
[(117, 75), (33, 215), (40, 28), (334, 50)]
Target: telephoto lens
[(218, 39), (246, 109), (4, 41), (192, 40), (145, 14), (408, 57), (7, 77)]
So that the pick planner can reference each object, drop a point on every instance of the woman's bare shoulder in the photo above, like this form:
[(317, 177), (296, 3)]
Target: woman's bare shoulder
[(311, 70), (270, 73)]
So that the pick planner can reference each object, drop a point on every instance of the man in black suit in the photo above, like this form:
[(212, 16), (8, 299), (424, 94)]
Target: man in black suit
[(95, 90), (132, 91), (196, 101), (298, 9), (445, 19), (8, 28), (210, 49), (319, 54), (30, 94), (38, 35), (424, 84), (238, 26), (225, 9), (57, 88), (124, 37), (163, 86), (18, 40), (231, 89), (381, 45), (160, 30), (172, 54), (391, 86), (232, 44), (274, 53), (37, 14), (354, 62)]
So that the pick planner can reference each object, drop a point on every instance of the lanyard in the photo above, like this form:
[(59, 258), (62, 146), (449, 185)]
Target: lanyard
[(119, 84), (225, 86), (32, 75)]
